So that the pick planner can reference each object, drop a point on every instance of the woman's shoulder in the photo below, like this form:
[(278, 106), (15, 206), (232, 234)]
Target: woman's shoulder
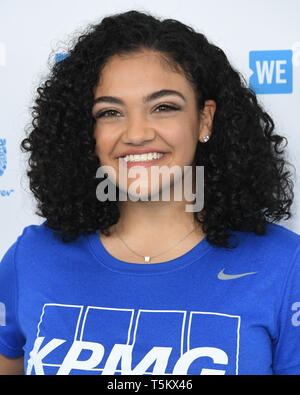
[(277, 237), (278, 244), (36, 240), (41, 244), (32, 240), (36, 234)]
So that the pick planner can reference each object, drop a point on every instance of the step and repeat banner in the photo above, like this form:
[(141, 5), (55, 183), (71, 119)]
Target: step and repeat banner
[(260, 37)]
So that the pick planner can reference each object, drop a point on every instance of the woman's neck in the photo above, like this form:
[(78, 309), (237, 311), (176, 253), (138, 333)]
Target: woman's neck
[(150, 229), (162, 218)]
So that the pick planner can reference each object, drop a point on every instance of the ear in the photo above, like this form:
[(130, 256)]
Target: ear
[(206, 119)]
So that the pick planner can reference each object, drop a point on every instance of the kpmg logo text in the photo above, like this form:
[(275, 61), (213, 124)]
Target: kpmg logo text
[(109, 340), (272, 71), (3, 160)]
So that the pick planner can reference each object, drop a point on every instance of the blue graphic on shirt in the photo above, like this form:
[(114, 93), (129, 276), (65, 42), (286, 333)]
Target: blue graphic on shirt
[(127, 341)]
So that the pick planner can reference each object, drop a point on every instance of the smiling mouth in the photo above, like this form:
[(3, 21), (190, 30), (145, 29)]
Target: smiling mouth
[(147, 157), (143, 159)]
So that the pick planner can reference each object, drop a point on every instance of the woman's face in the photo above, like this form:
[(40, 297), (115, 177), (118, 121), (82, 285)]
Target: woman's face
[(142, 106)]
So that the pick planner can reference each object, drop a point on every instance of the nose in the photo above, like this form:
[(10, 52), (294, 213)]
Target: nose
[(138, 130)]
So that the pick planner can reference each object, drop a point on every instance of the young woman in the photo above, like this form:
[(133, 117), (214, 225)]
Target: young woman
[(144, 285)]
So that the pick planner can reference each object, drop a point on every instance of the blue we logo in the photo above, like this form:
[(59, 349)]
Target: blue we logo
[(60, 56), (272, 71)]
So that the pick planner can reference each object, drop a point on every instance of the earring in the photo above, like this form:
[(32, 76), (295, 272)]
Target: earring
[(205, 138)]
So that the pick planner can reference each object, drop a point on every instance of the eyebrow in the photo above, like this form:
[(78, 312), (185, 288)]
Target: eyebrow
[(146, 99)]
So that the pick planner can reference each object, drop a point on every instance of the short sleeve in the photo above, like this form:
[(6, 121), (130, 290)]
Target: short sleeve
[(286, 359), (11, 337)]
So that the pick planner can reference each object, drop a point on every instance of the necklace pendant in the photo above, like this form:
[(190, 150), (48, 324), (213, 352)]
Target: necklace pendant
[(147, 258)]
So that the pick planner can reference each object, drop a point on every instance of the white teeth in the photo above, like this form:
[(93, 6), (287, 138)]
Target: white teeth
[(143, 157)]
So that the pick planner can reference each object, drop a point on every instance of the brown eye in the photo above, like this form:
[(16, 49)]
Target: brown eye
[(166, 108), (106, 114)]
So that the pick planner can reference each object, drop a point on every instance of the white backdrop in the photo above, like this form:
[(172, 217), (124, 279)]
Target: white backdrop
[(32, 30)]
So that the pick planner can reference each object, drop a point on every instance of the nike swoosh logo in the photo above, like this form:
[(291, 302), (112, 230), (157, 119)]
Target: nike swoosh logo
[(223, 276)]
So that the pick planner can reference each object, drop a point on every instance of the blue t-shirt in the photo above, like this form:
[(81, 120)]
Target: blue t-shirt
[(75, 309)]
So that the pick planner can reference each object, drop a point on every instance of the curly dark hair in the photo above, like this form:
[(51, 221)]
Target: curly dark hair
[(247, 184)]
